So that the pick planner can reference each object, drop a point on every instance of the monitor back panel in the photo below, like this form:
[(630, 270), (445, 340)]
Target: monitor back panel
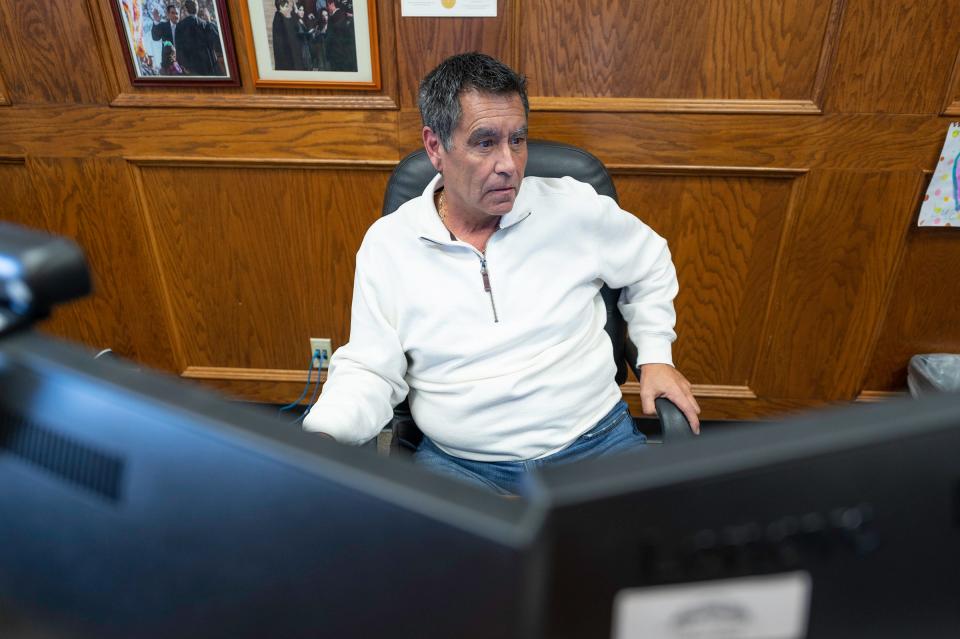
[(873, 519), (156, 510)]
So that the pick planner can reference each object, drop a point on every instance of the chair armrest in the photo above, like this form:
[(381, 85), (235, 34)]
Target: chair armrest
[(406, 437), (673, 423)]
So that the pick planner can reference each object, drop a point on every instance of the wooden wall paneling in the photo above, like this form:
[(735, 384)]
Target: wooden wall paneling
[(838, 141), (18, 202), (895, 56), (727, 408), (922, 316), (951, 103), (48, 55), (833, 283), (4, 100), (91, 202), (256, 258), (85, 131), (422, 43), (724, 232), (109, 49), (670, 55), (869, 142)]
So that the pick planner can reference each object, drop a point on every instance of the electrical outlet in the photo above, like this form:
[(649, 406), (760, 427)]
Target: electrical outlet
[(321, 344)]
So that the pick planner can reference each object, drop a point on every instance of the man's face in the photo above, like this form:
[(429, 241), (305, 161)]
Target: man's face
[(173, 15), (483, 168), (286, 9)]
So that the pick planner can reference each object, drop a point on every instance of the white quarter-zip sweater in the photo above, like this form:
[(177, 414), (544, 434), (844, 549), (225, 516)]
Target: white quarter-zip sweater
[(503, 355)]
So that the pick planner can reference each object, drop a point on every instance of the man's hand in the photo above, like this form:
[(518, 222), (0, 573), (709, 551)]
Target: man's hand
[(663, 380)]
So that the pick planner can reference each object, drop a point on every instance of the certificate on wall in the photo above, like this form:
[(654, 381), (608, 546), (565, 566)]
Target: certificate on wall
[(449, 8)]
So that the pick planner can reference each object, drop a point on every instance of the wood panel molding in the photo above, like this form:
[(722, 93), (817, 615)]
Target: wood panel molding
[(875, 396), (227, 373), (737, 409), (657, 105), (717, 391), (252, 101), (101, 131), (623, 168), (842, 141), (262, 162)]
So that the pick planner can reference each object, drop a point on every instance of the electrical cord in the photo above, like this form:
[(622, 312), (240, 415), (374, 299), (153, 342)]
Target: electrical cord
[(317, 354), (316, 389)]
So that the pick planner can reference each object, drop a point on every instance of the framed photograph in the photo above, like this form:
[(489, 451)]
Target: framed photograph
[(176, 42), (325, 44)]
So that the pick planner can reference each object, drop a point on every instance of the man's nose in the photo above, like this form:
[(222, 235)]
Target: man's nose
[(506, 160)]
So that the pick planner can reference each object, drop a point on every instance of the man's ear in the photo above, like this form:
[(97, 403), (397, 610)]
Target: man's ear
[(431, 142)]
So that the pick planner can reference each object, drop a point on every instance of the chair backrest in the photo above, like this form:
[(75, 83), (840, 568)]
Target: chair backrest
[(545, 159)]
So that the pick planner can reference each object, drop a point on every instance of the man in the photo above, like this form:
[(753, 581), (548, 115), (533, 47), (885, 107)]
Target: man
[(166, 30), (195, 42), (479, 302), (287, 53), (340, 40)]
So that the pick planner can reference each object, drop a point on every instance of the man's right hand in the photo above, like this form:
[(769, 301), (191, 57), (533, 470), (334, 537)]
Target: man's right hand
[(155, 15)]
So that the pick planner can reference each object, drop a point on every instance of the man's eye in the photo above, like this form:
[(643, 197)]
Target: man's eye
[(485, 144), (517, 140)]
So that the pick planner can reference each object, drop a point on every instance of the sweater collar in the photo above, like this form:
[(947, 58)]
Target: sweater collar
[(432, 228)]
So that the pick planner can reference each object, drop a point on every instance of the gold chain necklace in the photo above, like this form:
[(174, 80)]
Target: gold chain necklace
[(441, 208)]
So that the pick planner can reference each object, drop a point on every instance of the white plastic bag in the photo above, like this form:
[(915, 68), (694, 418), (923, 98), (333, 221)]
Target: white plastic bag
[(933, 373)]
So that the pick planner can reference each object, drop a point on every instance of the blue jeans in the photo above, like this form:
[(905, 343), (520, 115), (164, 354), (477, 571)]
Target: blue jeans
[(614, 433)]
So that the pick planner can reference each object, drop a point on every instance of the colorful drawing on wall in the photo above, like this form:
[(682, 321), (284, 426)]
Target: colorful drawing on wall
[(941, 204), (313, 43), (176, 42)]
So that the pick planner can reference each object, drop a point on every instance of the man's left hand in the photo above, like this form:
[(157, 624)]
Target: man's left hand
[(663, 380)]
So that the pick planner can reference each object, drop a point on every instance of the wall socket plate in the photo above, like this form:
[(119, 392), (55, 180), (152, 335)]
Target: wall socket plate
[(323, 344)]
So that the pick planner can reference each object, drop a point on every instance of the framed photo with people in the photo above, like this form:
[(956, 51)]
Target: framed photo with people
[(177, 42), (327, 44)]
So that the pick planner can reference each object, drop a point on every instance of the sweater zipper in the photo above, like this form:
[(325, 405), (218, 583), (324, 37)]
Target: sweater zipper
[(486, 286)]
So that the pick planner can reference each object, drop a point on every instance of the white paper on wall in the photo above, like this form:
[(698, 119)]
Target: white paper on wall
[(449, 8)]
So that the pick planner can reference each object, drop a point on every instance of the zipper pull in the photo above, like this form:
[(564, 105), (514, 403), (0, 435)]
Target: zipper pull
[(483, 274)]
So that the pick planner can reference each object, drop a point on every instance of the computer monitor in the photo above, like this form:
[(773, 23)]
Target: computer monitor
[(841, 523), (135, 505)]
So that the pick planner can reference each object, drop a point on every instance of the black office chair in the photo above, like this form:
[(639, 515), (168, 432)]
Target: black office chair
[(545, 159)]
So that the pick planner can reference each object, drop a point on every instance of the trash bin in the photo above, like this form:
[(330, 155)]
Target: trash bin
[(933, 373)]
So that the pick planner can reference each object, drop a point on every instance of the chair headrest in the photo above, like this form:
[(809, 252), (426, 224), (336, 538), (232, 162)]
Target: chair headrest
[(544, 159)]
